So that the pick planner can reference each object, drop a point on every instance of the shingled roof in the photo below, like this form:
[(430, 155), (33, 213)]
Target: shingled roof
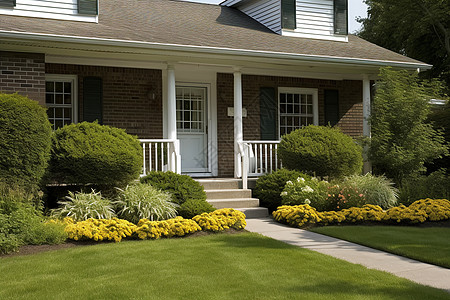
[(199, 25)]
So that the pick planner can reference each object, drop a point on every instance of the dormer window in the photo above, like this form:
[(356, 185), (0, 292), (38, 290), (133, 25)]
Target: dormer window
[(87, 7), (288, 14), (340, 17), (7, 3)]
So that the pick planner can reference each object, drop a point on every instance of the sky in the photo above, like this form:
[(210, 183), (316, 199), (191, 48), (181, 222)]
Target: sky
[(356, 8)]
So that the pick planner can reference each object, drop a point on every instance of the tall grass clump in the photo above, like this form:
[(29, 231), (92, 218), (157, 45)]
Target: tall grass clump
[(83, 206), (142, 201), (377, 190)]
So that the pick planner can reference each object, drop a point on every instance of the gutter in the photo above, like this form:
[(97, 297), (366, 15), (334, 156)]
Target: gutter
[(209, 50)]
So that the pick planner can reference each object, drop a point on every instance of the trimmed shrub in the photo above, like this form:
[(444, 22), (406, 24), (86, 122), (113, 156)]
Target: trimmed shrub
[(83, 206), (377, 190), (92, 153), (306, 191), (297, 215), (143, 201), (322, 151), (436, 185), (182, 187), (173, 227), (99, 230), (269, 187), (191, 208), (221, 219), (25, 140)]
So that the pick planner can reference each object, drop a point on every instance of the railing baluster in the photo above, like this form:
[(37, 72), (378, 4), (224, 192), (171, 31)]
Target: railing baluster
[(156, 156), (143, 156), (168, 156), (265, 159), (260, 159), (271, 152), (162, 156), (276, 157)]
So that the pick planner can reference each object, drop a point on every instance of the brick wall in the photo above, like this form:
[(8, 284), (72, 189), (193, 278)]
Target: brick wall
[(126, 100), (350, 108), (23, 73)]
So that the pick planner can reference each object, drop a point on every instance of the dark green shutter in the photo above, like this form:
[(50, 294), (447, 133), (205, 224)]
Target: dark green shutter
[(331, 107), (340, 17), (7, 3), (268, 114), (88, 7), (288, 14), (92, 99)]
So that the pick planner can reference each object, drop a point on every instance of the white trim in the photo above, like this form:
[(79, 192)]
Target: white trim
[(74, 80), (296, 90), (48, 15), (296, 33), (208, 49)]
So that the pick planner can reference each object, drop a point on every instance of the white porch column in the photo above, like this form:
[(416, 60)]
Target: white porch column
[(367, 167), (172, 118), (238, 131)]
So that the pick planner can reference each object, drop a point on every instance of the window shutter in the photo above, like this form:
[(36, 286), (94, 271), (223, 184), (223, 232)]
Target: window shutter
[(88, 7), (288, 14), (340, 17), (92, 99), (268, 114), (7, 3), (331, 107)]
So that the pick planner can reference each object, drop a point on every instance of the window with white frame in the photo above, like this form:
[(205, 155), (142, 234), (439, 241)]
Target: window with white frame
[(61, 99), (297, 107)]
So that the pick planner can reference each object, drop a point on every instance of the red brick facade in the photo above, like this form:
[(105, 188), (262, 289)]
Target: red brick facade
[(132, 98), (350, 108), (23, 73)]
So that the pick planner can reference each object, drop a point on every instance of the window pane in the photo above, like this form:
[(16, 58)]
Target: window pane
[(50, 113), (50, 86), (58, 99), (67, 99), (58, 112), (68, 87), (68, 113), (49, 98), (58, 87)]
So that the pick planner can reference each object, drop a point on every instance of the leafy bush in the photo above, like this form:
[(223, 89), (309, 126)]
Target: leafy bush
[(82, 206), (269, 187), (91, 153), (306, 191), (182, 187), (221, 219), (377, 190), (322, 151), (25, 140), (173, 227), (191, 208), (296, 215), (344, 196), (402, 142), (99, 230), (436, 185), (142, 201)]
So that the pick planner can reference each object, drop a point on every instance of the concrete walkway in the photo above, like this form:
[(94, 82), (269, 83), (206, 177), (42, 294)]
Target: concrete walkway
[(416, 271)]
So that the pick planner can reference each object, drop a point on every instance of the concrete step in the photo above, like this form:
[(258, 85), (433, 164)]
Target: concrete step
[(220, 183), (234, 203), (254, 212), (228, 194)]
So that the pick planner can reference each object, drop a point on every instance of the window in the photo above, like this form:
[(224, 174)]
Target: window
[(61, 99), (191, 109), (8, 3), (297, 108), (340, 17), (88, 7), (288, 14)]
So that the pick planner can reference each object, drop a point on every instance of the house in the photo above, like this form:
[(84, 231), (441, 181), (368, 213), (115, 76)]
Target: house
[(208, 88)]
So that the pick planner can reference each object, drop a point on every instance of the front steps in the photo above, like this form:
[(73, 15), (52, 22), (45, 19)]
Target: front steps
[(226, 193)]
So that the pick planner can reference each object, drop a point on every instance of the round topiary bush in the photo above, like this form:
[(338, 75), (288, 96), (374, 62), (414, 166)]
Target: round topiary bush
[(269, 187), (92, 153), (319, 150), (25, 140)]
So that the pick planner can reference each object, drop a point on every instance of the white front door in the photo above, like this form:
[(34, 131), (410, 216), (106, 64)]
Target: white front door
[(192, 132)]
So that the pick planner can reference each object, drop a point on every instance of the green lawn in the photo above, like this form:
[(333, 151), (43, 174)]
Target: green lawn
[(240, 266), (427, 244)]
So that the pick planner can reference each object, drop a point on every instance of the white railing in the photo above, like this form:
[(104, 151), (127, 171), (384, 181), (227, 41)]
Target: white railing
[(258, 158), (161, 155)]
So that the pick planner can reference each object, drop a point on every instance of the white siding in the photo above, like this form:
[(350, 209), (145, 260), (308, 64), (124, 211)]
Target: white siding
[(266, 12), (52, 9), (315, 17)]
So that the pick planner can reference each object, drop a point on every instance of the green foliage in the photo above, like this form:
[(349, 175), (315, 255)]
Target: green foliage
[(436, 186), (143, 201), (416, 28), (402, 142), (343, 197), (83, 206), (192, 208), (269, 187), (440, 119), (91, 153), (322, 151), (25, 139), (182, 187), (377, 190), (306, 191)]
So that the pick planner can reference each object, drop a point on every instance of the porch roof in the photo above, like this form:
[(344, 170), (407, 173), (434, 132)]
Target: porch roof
[(198, 27)]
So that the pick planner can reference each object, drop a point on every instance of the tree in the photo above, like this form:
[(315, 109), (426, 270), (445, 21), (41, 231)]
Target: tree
[(402, 139), (417, 28)]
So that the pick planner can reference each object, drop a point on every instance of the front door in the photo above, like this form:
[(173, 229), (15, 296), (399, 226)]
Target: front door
[(192, 128)]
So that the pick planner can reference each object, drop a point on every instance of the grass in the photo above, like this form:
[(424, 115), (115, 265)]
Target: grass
[(427, 244), (240, 266)]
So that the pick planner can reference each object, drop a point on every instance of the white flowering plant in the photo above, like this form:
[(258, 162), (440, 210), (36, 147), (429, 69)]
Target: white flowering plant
[(305, 191)]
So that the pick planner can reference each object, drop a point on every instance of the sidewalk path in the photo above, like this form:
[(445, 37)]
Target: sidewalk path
[(413, 270)]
